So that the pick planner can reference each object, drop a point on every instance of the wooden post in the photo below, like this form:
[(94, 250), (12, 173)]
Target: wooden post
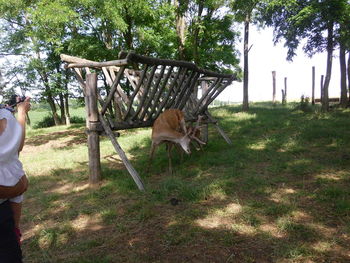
[(273, 87), (313, 86), (93, 136), (284, 92)]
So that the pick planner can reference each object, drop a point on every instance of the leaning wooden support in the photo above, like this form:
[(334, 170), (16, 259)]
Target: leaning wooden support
[(122, 154), (220, 130)]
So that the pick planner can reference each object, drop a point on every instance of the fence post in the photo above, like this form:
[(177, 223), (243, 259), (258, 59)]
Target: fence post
[(284, 92), (93, 122), (273, 87)]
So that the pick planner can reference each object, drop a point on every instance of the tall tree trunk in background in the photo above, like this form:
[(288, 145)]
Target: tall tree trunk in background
[(196, 34), (52, 104), (180, 27), (128, 33), (66, 97), (349, 73), (66, 109), (63, 115), (330, 47), (246, 68), (49, 98), (343, 89)]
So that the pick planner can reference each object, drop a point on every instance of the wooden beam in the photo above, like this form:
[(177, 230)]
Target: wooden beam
[(122, 154), (93, 136)]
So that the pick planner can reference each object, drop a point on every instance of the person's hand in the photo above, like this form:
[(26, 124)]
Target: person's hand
[(24, 106), (24, 183), (16, 190)]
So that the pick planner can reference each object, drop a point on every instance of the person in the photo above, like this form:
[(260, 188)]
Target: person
[(13, 181)]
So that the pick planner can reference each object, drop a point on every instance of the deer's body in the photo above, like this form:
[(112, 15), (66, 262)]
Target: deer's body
[(170, 127)]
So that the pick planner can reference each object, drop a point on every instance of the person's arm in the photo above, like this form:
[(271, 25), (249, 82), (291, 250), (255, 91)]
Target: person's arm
[(22, 110), (16, 190)]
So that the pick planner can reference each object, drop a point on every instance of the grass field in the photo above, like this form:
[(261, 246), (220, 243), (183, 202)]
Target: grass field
[(280, 193)]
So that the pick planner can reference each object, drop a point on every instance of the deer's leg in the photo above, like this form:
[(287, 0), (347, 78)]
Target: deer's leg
[(169, 147), (153, 147)]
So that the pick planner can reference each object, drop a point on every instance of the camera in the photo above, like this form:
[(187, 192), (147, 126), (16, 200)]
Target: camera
[(13, 101)]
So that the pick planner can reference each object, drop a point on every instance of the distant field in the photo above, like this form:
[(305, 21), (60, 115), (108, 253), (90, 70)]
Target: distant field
[(280, 193), (39, 114)]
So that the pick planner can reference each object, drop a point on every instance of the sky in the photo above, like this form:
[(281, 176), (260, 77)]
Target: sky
[(265, 57)]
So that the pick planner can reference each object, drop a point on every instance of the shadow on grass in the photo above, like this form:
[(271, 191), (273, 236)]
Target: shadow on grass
[(280, 193), (71, 136)]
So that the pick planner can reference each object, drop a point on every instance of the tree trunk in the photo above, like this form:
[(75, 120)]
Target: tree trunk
[(52, 104), (196, 35), (63, 115), (330, 47), (313, 86), (45, 79), (66, 97), (66, 109), (246, 68), (180, 27), (321, 86), (128, 34), (49, 97), (343, 89), (349, 74)]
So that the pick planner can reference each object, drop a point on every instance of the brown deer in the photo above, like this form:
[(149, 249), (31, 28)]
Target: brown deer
[(170, 128)]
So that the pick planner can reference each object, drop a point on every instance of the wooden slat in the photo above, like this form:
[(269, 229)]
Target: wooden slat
[(160, 92), (184, 87), (214, 96), (113, 89), (205, 95), (145, 93), (172, 85), (108, 77), (185, 98), (135, 92), (152, 94), (179, 87)]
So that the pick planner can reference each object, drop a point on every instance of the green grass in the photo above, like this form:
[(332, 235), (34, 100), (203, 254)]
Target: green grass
[(280, 193)]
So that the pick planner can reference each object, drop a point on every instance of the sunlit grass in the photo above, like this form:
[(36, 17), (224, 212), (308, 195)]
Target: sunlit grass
[(280, 193)]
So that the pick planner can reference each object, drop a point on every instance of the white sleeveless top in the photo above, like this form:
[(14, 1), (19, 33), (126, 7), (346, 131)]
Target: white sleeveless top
[(11, 169)]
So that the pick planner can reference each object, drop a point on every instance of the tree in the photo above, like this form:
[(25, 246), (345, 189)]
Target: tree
[(243, 13), (344, 45), (40, 30), (34, 30), (315, 21), (209, 35)]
